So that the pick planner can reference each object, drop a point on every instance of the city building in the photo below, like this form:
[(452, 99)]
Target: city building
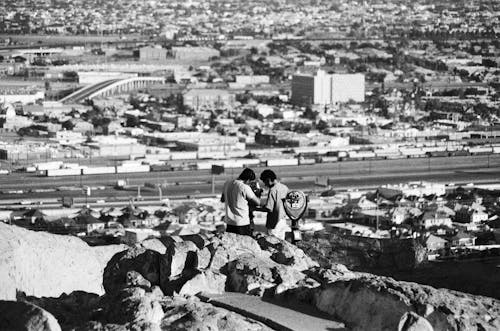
[(152, 54), (22, 95), (194, 53), (252, 79), (323, 88), (115, 146), (209, 98)]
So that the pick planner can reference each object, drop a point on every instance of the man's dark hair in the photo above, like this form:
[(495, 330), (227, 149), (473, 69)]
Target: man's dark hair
[(247, 174), (268, 174)]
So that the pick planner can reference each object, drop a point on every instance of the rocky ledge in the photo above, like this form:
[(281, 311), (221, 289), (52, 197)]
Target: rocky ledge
[(153, 286)]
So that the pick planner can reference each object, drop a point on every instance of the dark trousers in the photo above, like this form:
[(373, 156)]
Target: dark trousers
[(245, 230)]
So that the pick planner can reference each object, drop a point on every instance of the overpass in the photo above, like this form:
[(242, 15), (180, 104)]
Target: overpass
[(111, 87)]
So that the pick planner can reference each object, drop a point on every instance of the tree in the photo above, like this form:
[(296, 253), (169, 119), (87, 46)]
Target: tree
[(68, 125)]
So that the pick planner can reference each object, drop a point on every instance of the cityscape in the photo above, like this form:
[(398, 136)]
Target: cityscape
[(122, 125)]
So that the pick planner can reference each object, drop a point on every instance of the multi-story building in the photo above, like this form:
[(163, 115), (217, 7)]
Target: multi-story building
[(152, 54), (209, 98), (194, 53), (323, 88)]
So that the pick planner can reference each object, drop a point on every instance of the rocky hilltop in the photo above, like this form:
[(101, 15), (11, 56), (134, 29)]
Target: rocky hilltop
[(44, 264), (155, 286)]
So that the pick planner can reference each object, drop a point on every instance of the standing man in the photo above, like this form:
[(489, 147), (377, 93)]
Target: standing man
[(276, 216), (236, 195)]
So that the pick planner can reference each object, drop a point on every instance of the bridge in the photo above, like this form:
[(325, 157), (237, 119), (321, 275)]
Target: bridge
[(112, 87)]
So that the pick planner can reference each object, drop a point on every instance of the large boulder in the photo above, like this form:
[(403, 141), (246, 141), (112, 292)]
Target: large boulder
[(253, 274), (229, 246), (206, 281), (44, 264), (379, 303), (178, 258), (413, 322), (363, 253), (25, 316), (191, 314), (283, 252), (139, 259), (136, 305), (70, 310)]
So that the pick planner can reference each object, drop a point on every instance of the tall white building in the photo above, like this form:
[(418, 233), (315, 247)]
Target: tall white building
[(324, 88)]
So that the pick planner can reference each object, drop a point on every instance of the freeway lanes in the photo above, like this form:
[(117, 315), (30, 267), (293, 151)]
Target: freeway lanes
[(87, 90), (114, 197)]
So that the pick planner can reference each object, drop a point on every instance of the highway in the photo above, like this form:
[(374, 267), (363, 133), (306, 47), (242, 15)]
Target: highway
[(347, 174), (84, 92)]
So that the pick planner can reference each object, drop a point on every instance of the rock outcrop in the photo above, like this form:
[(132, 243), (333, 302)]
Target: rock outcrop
[(363, 254), (152, 286), (24, 316), (44, 264), (379, 303)]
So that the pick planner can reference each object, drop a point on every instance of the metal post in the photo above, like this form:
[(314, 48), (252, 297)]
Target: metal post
[(213, 184)]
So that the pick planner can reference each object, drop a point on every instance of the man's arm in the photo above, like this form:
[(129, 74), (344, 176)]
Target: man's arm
[(271, 200), (250, 196)]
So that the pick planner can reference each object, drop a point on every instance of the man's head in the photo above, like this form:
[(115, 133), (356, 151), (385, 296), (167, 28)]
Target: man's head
[(268, 177), (247, 175)]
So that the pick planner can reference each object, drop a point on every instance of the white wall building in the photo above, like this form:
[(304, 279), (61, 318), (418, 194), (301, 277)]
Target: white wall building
[(324, 88), (23, 97)]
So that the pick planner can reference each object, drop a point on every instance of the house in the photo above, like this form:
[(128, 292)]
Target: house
[(87, 220), (137, 222), (463, 239), (365, 204), (89, 223), (398, 215), (188, 213), (111, 127), (32, 219), (434, 243), (64, 225), (133, 236), (110, 214), (133, 217), (474, 214), (82, 126), (436, 217)]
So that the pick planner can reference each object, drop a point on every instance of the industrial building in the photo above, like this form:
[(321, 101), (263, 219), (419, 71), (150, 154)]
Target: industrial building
[(323, 88), (152, 54), (209, 98), (194, 53)]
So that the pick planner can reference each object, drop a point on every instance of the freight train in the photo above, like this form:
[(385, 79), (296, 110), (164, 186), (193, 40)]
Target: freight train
[(286, 158)]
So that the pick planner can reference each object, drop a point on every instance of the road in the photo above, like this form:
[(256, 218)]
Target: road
[(352, 174), (81, 94)]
